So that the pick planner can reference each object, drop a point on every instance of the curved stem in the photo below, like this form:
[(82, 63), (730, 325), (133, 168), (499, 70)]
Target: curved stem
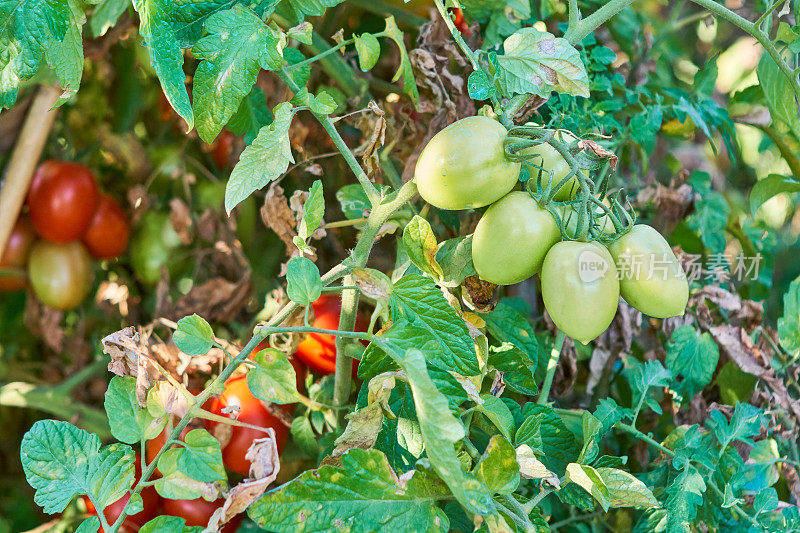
[(457, 35), (552, 364), (578, 31)]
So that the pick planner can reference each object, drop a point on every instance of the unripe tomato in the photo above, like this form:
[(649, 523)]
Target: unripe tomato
[(153, 244), (198, 512), (551, 160), (465, 165), (251, 411), (62, 200), (18, 248), (512, 239), (318, 350), (580, 288), (132, 523), (107, 235), (651, 278), (60, 274)]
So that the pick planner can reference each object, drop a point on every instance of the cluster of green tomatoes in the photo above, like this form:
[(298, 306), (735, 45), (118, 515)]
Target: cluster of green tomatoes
[(466, 166)]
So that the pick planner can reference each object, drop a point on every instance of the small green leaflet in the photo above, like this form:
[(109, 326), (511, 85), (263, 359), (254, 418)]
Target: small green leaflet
[(237, 45), (303, 282), (710, 219), (364, 494), (89, 525), (406, 70), (61, 461), (455, 258), (507, 324), (313, 211), (302, 32), (273, 379), (421, 246), (200, 458), (789, 323), (746, 422), (772, 185), (353, 201), (264, 160), (252, 115), (194, 335), (778, 93), (685, 495), (532, 60), (188, 475), (497, 468), (129, 422), (297, 10), (105, 15), (369, 50), (169, 524), (694, 357), (642, 377)]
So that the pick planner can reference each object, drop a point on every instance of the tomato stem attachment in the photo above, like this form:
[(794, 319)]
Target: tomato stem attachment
[(552, 364)]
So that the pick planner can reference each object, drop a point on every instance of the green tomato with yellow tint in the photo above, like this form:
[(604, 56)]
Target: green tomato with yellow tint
[(60, 274), (580, 288), (465, 166), (512, 239), (551, 161), (651, 278)]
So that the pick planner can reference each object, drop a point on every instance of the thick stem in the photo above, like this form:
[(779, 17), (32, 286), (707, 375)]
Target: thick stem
[(578, 31), (457, 34), (552, 364)]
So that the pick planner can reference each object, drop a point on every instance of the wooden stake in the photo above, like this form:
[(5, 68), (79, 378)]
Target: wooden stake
[(25, 158)]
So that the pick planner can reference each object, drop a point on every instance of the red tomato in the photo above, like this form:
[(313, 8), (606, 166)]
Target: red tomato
[(16, 254), (221, 149), (318, 351), (251, 411), (62, 200), (107, 234), (198, 512), (132, 523), (459, 22)]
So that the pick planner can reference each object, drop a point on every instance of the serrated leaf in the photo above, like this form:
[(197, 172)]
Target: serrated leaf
[(507, 324), (313, 211), (193, 335), (297, 10), (129, 422), (746, 422), (789, 323), (201, 458), (778, 92), (642, 377), (558, 445), (61, 461), (273, 379), (323, 104), (406, 70), (252, 115), (105, 15), (369, 50), (685, 495), (455, 258), (693, 356), (536, 62), (237, 46), (169, 524), (264, 160), (497, 467), (421, 246), (624, 490), (303, 282), (710, 219), (772, 185), (363, 494)]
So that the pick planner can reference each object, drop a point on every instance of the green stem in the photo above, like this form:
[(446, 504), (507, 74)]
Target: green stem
[(457, 34), (319, 56), (760, 20), (344, 223), (646, 438), (552, 364), (578, 32)]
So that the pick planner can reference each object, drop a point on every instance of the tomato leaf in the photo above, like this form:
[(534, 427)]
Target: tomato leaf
[(693, 356), (778, 93), (178, 485), (685, 495), (624, 490), (313, 211), (129, 422), (89, 525), (105, 15), (193, 335), (497, 467), (746, 422), (169, 524), (363, 494), (589, 480), (264, 160), (252, 115), (369, 50), (498, 413), (406, 70), (506, 324), (297, 10), (237, 45), (772, 185), (273, 379), (455, 258), (353, 201), (558, 446), (789, 323), (518, 372), (421, 246), (61, 461), (363, 426), (200, 458), (303, 282)]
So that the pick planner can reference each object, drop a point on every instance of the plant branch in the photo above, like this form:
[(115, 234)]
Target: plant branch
[(576, 32), (457, 35), (552, 364)]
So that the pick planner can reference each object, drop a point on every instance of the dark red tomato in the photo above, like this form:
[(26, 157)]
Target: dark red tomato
[(198, 512), (62, 200), (132, 523), (16, 253), (108, 233), (221, 149), (459, 22), (317, 350), (251, 411)]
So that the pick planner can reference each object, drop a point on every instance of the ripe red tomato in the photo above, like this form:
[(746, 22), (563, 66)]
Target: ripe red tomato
[(108, 232), (16, 254), (198, 512), (62, 200), (459, 22), (132, 523), (60, 274), (251, 411), (317, 350)]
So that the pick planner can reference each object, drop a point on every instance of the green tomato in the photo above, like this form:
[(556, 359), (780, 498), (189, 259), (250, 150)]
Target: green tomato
[(465, 166), (60, 274), (580, 288), (651, 278), (551, 160), (512, 239), (153, 244)]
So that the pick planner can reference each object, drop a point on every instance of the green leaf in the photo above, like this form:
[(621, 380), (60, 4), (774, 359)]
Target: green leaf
[(506, 324), (497, 467), (710, 219), (105, 15), (536, 62), (558, 445), (624, 490), (273, 379), (517, 368), (302, 32), (264, 160), (406, 70), (194, 335), (363, 426), (200, 458), (692, 356), (772, 185), (589, 480), (778, 93), (353, 201), (364, 494), (61, 461), (323, 103), (642, 377), (303, 436), (238, 44), (176, 484), (169, 524), (129, 422), (369, 50), (252, 115), (498, 413), (297, 10), (479, 86), (789, 323), (89, 525), (313, 211), (685, 495), (303, 282), (421, 246), (746, 422), (455, 258), (300, 74), (423, 319)]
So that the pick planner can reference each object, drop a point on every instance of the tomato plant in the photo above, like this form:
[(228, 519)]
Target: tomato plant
[(108, 233), (62, 200), (16, 255), (60, 274)]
